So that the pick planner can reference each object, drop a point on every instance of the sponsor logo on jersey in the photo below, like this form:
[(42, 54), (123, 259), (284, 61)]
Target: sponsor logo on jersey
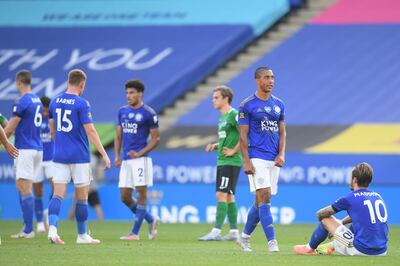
[(268, 125)]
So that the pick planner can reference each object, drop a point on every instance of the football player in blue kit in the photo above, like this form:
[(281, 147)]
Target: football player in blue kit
[(71, 125), (46, 168), (367, 213), (25, 124), (136, 121), (263, 142)]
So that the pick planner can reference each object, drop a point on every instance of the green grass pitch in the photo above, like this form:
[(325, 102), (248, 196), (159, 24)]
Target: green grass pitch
[(176, 244)]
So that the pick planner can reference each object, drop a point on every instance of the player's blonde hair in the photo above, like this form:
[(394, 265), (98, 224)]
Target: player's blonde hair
[(76, 76), (225, 92)]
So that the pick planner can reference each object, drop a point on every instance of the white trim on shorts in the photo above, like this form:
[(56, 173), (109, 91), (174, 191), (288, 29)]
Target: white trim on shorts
[(136, 172), (266, 175), (343, 243), (79, 173), (46, 171), (27, 164)]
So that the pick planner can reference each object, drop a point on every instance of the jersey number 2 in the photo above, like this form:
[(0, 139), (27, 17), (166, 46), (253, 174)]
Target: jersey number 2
[(63, 118), (376, 210)]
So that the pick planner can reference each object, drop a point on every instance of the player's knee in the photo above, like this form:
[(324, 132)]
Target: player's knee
[(230, 198), (126, 199)]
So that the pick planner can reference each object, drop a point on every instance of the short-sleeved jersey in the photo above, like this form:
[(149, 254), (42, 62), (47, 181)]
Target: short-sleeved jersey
[(369, 220), (70, 113), (228, 136), (136, 125), (48, 143), (27, 134), (263, 118)]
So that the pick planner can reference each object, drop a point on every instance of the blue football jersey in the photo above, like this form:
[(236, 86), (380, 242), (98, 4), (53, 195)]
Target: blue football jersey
[(27, 134), (48, 143), (136, 125), (263, 118), (70, 112), (369, 220)]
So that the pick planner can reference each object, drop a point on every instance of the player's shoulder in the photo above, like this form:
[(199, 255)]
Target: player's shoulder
[(149, 109), (233, 113), (123, 108), (277, 99), (247, 100)]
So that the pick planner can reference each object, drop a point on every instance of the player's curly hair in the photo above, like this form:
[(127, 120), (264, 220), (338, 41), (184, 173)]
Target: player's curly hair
[(363, 173), (135, 84)]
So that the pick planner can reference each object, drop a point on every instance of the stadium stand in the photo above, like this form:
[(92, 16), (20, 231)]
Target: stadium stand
[(335, 72), (171, 51)]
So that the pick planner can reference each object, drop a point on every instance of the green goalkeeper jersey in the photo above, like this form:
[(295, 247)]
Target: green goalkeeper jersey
[(228, 136)]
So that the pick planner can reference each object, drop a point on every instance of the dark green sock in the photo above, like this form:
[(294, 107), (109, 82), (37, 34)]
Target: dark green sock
[(232, 215), (221, 214)]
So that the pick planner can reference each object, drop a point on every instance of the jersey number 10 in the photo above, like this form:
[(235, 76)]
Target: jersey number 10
[(372, 211), (62, 118)]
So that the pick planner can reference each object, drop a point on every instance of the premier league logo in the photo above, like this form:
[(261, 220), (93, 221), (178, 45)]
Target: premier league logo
[(267, 109)]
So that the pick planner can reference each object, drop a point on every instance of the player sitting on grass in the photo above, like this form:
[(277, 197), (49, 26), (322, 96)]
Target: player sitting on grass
[(368, 234)]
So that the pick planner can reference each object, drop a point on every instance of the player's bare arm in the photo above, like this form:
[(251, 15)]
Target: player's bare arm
[(211, 147), (51, 126), (94, 138), (280, 158), (326, 212), (117, 146), (12, 125), (247, 165), (9, 147), (153, 143), (346, 220)]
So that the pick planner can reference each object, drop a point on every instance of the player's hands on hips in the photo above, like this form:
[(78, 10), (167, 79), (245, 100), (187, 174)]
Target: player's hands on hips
[(133, 154), (210, 147), (11, 150), (279, 160), (117, 161), (228, 152), (248, 167)]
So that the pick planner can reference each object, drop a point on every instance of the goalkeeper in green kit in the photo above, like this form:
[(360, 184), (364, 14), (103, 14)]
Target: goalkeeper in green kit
[(228, 167)]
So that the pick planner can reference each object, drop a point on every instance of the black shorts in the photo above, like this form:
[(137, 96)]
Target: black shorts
[(93, 198), (227, 178)]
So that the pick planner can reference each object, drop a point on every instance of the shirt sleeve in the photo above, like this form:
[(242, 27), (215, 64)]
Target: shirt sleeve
[(282, 116), (20, 107), (153, 120), (340, 204), (244, 115), (118, 122), (85, 114)]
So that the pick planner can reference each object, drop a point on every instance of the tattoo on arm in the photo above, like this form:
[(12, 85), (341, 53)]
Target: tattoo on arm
[(326, 212)]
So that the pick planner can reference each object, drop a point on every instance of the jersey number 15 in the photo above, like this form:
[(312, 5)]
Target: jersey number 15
[(62, 118)]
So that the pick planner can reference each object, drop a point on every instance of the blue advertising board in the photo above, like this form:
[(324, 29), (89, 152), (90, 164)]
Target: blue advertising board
[(190, 203)]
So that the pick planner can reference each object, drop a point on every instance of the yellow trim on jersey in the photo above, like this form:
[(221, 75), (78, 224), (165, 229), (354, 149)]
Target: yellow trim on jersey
[(363, 138)]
